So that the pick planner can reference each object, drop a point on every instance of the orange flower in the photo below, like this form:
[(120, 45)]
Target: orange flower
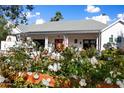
[(31, 79), (52, 82)]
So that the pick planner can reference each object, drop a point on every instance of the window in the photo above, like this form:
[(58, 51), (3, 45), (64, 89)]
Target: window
[(86, 41), (75, 41), (111, 38), (92, 41), (119, 39)]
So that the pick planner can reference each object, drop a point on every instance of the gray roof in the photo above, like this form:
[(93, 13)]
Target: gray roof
[(67, 26)]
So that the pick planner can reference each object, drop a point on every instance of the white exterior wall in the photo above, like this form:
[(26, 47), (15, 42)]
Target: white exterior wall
[(10, 42), (80, 38), (6, 45), (115, 30)]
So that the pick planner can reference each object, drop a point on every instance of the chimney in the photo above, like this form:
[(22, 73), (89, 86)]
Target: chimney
[(102, 18)]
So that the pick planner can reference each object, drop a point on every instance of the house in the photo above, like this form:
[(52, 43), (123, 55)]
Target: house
[(80, 33)]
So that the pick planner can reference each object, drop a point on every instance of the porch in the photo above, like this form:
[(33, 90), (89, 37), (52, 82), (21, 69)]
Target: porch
[(80, 40)]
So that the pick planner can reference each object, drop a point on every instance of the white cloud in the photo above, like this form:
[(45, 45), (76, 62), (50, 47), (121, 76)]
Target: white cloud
[(36, 16), (120, 15), (30, 15), (92, 9), (40, 21), (100, 18), (37, 13), (87, 18)]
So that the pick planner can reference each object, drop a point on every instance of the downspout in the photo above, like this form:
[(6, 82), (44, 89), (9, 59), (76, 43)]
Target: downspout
[(100, 40)]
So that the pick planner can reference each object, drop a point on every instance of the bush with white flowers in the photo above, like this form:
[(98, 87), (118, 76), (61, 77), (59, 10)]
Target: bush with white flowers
[(54, 67), (74, 67)]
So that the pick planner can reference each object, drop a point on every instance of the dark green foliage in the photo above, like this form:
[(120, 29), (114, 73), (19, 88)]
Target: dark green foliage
[(91, 52), (4, 31), (15, 13), (58, 16)]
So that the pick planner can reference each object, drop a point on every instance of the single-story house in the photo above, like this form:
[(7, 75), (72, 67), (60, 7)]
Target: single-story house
[(80, 33)]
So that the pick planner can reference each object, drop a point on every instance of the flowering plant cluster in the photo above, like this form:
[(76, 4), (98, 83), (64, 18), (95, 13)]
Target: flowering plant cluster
[(71, 67)]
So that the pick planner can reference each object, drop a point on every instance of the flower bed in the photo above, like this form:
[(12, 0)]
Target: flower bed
[(70, 67), (5, 85), (104, 85)]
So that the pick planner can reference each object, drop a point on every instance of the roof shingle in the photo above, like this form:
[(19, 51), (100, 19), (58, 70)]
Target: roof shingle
[(80, 25)]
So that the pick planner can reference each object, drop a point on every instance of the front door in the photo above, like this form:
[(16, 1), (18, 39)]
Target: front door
[(58, 42), (88, 43)]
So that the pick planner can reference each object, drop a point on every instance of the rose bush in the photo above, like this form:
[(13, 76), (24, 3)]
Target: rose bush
[(70, 67)]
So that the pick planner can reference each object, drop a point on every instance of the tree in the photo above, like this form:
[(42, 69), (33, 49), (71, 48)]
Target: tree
[(14, 14), (58, 16), (4, 31)]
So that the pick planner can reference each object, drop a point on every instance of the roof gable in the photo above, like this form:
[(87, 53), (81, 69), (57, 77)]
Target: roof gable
[(119, 20)]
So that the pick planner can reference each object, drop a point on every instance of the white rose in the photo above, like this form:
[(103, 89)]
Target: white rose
[(2, 79), (111, 72), (118, 82), (36, 76), (94, 66), (62, 58), (45, 82), (93, 60), (57, 56), (82, 82), (50, 67), (55, 66), (118, 73), (7, 60), (108, 80), (114, 75), (72, 60), (121, 85)]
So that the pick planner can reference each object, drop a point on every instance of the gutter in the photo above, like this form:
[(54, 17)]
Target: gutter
[(64, 32)]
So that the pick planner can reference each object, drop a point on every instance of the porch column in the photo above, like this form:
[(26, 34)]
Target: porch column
[(65, 41), (46, 42), (97, 43)]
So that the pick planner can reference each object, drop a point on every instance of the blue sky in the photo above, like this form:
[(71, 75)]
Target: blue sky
[(75, 12)]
